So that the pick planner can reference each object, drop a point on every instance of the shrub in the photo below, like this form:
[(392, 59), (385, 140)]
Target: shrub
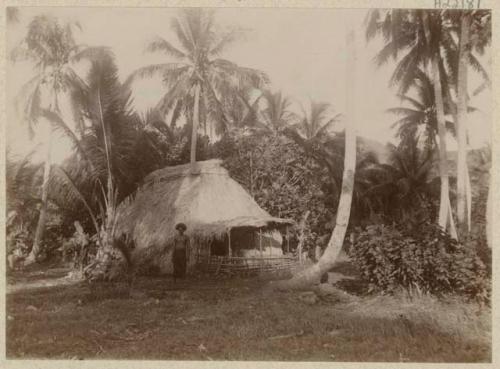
[(18, 241), (423, 258)]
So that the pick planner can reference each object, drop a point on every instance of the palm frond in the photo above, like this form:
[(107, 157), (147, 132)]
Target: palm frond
[(404, 74), (225, 40), (478, 67), (74, 193), (417, 104), (177, 92), (245, 76), (182, 35), (58, 124), (372, 21), (404, 111), (160, 44), (89, 53), (152, 70)]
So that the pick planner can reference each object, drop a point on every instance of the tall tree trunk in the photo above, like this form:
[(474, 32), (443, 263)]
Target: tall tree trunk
[(461, 124), (452, 228), (251, 174), (103, 259), (40, 228), (196, 118), (489, 212), (468, 197), (444, 204), (110, 191), (468, 194), (327, 260)]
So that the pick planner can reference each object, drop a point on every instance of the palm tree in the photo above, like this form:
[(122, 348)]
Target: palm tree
[(474, 32), (22, 179), (199, 79), (406, 185), (22, 184), (242, 109), (120, 151), (329, 257), (430, 37), (276, 114), (420, 112), (425, 38), (315, 122), (53, 50)]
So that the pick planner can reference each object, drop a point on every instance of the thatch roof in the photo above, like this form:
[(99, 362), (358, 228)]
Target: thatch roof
[(207, 200)]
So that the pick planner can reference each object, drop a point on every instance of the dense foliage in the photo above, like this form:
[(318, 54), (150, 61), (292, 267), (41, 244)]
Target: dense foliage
[(423, 258), (281, 179)]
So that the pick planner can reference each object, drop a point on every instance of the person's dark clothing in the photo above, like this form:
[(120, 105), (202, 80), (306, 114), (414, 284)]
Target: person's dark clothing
[(180, 255)]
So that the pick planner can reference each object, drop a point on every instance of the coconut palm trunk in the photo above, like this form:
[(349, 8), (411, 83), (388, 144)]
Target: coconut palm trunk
[(344, 208), (489, 213), (40, 228), (461, 124), (444, 205), (468, 193), (110, 197), (330, 255), (196, 118)]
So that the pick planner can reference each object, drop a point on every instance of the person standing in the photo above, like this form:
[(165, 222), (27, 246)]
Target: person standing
[(180, 254)]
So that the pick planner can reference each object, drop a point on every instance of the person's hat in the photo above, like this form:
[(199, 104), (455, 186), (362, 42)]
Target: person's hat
[(180, 226)]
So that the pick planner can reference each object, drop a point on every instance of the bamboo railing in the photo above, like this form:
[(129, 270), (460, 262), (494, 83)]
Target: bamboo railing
[(246, 265)]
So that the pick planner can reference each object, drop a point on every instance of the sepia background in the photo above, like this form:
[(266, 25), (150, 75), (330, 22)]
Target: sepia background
[(304, 53)]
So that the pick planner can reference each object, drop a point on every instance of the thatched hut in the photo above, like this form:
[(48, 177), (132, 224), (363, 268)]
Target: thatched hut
[(221, 217)]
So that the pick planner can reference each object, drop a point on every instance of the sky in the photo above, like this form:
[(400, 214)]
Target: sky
[(302, 50)]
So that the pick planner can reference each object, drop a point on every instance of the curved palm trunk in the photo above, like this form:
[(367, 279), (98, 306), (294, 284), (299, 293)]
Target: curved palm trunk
[(444, 205), (40, 228), (196, 118), (468, 197), (461, 125), (329, 257), (489, 213)]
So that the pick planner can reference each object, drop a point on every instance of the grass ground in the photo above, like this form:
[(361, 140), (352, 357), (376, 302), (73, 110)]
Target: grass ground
[(235, 319)]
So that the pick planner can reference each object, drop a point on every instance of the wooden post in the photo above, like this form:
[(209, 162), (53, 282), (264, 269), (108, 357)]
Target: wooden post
[(270, 245), (251, 174), (287, 241), (229, 243), (260, 242)]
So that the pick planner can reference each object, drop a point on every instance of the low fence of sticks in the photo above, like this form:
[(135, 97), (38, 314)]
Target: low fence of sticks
[(248, 265)]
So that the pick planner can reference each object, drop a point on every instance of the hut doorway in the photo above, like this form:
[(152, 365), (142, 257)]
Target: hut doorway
[(219, 247)]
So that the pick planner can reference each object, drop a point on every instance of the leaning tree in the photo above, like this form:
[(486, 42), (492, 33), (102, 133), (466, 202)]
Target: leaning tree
[(51, 46), (336, 241)]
